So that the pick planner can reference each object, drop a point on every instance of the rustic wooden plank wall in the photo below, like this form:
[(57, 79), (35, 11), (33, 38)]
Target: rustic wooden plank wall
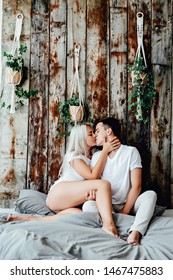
[(39, 106), (57, 88), (106, 30), (138, 133), (13, 128), (161, 116)]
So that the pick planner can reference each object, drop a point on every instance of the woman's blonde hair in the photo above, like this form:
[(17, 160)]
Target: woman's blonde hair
[(77, 140), (76, 143)]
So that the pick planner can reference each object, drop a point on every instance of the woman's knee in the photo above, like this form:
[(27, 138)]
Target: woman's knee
[(105, 184)]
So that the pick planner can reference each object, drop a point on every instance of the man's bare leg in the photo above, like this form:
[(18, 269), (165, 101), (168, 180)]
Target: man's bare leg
[(134, 238)]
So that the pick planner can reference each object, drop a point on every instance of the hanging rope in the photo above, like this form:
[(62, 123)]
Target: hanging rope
[(15, 51), (76, 90), (1, 14), (140, 50), (140, 26)]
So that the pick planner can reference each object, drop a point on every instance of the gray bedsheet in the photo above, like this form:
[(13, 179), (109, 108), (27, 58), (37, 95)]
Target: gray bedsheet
[(79, 236)]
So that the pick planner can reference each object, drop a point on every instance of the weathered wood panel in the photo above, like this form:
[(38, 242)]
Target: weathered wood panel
[(118, 63), (38, 109), (30, 156), (161, 118), (57, 86), (171, 167), (13, 137), (76, 34), (97, 90), (138, 133)]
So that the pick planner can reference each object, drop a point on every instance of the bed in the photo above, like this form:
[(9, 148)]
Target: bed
[(79, 236)]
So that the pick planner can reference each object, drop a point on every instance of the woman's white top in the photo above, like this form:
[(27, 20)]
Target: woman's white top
[(69, 173)]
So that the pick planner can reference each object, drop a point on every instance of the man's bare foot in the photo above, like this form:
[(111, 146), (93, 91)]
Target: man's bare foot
[(134, 238), (21, 218)]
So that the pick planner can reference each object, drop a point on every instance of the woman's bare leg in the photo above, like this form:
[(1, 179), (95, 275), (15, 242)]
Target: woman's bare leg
[(104, 205), (44, 218), (69, 194)]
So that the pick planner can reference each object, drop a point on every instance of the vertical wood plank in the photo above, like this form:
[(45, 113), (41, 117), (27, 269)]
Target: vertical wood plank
[(58, 33), (76, 35), (118, 63), (38, 114), (161, 114), (97, 57), (171, 191), (139, 133), (13, 137)]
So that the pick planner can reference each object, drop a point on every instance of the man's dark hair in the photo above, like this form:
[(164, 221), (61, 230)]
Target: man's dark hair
[(111, 122)]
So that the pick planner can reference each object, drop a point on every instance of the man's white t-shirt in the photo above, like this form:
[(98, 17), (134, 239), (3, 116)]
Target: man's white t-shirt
[(117, 171)]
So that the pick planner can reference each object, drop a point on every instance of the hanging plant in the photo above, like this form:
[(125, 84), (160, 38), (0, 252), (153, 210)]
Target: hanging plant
[(16, 71), (16, 74), (76, 109), (143, 91), (67, 109), (14, 66), (65, 117), (70, 112)]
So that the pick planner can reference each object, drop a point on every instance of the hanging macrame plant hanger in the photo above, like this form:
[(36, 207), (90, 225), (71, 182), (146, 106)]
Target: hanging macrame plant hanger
[(139, 53), (14, 77), (140, 26), (76, 112)]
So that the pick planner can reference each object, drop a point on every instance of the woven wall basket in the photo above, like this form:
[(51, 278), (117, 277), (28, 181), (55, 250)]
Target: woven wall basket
[(142, 77), (13, 77), (76, 112)]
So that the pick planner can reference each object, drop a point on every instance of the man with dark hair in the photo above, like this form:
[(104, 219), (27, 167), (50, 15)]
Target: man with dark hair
[(123, 169), (112, 123)]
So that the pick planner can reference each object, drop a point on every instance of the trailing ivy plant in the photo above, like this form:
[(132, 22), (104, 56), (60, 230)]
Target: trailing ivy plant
[(143, 91), (21, 94), (16, 63)]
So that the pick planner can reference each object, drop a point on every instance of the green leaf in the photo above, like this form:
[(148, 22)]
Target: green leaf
[(146, 91)]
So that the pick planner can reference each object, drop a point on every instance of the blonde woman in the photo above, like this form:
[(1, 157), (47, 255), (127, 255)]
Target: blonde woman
[(77, 179)]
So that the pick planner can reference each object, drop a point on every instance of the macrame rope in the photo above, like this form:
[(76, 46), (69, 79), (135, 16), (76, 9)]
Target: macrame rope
[(1, 14), (140, 49), (15, 50), (18, 30), (76, 90), (140, 26)]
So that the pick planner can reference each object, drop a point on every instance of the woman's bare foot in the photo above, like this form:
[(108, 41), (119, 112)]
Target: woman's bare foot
[(134, 237), (22, 218), (110, 230)]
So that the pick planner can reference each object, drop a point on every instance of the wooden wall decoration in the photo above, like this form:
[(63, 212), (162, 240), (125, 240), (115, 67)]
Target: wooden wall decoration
[(30, 151)]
